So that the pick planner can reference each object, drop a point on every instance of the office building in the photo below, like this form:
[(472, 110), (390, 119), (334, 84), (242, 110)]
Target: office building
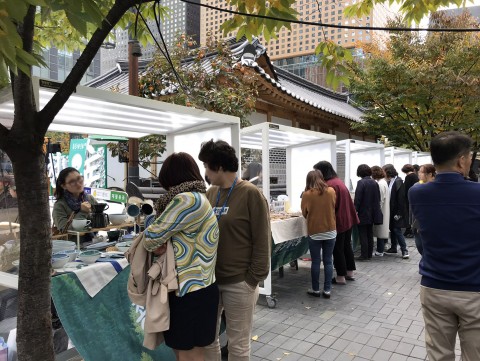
[(183, 19), (294, 50), (60, 63)]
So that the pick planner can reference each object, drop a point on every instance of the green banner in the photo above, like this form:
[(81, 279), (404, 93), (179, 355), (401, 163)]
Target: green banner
[(107, 326), (78, 153)]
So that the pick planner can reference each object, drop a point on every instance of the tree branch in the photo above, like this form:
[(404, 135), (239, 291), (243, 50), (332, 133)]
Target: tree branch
[(48, 113)]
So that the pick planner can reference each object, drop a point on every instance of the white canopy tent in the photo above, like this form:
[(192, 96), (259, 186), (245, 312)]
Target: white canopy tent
[(303, 147), (422, 158), (100, 112), (398, 157), (95, 111), (358, 152)]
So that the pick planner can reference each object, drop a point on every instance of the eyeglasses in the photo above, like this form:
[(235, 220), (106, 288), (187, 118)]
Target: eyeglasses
[(79, 180)]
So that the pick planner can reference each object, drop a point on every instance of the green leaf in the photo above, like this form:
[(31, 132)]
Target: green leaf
[(94, 12), (16, 10), (77, 22), (7, 49), (25, 68), (27, 58)]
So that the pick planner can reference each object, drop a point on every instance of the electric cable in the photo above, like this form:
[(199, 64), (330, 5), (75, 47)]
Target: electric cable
[(164, 50), (449, 30), (157, 21)]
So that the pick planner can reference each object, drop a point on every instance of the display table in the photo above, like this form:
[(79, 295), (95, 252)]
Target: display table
[(107, 326), (289, 242), (81, 233)]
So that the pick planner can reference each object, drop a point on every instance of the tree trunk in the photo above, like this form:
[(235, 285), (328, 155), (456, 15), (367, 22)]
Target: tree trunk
[(23, 144), (34, 343)]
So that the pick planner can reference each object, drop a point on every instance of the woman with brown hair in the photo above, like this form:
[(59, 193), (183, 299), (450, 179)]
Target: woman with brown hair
[(318, 207), (345, 218), (186, 218)]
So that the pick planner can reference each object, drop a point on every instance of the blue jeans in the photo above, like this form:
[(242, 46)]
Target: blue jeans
[(396, 236), (323, 248), (381, 244)]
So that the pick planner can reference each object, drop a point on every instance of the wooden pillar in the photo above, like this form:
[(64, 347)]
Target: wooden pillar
[(133, 171)]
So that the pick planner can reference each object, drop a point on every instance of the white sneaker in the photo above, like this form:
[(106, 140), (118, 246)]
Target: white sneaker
[(313, 293), (378, 254)]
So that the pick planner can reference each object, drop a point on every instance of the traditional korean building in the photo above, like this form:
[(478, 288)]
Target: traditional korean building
[(284, 98)]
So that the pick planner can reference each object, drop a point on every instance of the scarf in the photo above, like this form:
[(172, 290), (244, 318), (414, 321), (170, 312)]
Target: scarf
[(192, 186), (73, 203)]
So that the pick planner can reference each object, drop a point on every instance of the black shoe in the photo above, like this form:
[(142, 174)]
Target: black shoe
[(361, 259), (391, 250), (326, 294), (405, 255)]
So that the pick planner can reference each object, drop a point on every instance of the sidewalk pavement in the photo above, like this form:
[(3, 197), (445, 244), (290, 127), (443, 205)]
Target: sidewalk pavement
[(376, 317)]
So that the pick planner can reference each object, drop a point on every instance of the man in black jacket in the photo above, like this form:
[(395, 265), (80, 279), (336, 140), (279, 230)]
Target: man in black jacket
[(410, 179), (398, 210)]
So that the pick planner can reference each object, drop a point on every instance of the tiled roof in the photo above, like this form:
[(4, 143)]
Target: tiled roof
[(117, 77), (290, 84)]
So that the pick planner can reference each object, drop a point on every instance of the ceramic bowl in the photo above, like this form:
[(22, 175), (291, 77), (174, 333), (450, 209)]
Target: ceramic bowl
[(113, 235), (117, 219), (123, 246), (72, 255), (59, 260), (89, 256), (60, 246)]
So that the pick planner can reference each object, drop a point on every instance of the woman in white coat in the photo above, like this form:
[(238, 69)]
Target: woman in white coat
[(381, 231)]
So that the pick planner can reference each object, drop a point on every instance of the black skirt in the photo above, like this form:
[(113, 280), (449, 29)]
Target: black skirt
[(193, 319)]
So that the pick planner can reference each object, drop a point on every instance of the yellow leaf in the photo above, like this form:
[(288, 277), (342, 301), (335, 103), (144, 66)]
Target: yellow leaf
[(255, 338)]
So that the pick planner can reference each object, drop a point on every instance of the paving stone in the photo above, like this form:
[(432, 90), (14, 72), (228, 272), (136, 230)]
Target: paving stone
[(389, 345), (306, 358), (419, 352), (326, 341), (367, 351), (314, 337), (264, 351), (398, 357), (302, 334), (404, 348), (316, 351), (381, 355), (340, 344), (344, 357), (353, 348), (376, 318), (303, 347), (329, 355)]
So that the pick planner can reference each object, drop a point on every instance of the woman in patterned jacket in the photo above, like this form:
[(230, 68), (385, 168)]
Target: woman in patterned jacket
[(186, 218)]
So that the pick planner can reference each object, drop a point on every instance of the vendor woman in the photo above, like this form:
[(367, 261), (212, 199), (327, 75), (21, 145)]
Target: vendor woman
[(70, 197)]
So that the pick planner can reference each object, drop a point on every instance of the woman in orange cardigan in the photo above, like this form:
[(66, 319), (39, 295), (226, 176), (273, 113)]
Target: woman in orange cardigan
[(318, 207)]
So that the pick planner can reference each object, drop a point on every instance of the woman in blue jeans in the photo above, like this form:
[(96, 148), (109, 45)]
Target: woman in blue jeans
[(318, 207)]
